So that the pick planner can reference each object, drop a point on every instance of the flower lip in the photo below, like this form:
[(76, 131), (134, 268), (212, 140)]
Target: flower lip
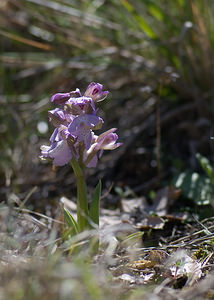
[(60, 153)]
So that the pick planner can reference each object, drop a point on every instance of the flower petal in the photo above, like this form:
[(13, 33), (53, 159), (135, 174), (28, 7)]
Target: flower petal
[(93, 162), (80, 105), (60, 152), (58, 117), (81, 128), (60, 98)]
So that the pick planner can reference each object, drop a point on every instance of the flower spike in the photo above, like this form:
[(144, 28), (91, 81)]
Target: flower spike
[(75, 122)]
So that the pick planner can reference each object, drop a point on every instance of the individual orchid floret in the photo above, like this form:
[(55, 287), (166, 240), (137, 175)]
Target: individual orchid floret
[(62, 147), (82, 127), (59, 117), (80, 105), (59, 152), (95, 92), (106, 141), (61, 98)]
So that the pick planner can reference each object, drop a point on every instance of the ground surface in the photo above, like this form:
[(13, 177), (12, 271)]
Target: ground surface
[(142, 256)]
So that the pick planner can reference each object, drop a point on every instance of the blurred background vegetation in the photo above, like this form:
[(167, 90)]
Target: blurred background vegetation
[(155, 57)]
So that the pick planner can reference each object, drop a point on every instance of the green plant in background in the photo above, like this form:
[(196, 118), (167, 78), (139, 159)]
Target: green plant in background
[(74, 140), (182, 33), (198, 187)]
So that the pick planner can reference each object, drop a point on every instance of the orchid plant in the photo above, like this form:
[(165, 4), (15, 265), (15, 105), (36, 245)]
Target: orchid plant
[(74, 141)]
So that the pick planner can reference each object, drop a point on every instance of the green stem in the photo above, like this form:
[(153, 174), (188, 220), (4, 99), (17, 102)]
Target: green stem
[(82, 202)]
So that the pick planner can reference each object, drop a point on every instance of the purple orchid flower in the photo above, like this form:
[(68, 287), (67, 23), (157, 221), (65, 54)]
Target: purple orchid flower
[(95, 92), (106, 141), (82, 126), (62, 147), (59, 152)]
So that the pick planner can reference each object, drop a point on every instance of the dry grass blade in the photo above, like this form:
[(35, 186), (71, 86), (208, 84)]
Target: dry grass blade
[(87, 19), (25, 41)]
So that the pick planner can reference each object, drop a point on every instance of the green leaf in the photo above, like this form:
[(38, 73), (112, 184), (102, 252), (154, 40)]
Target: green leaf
[(156, 11), (206, 165), (140, 20), (197, 187), (94, 211), (70, 220)]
